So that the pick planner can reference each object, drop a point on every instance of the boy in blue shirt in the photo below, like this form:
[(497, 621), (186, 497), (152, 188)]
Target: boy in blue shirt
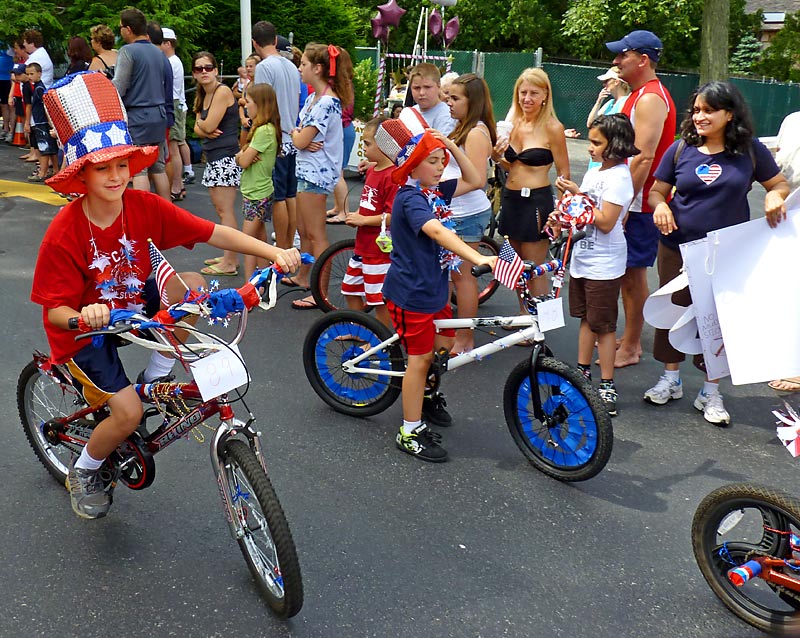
[(416, 288)]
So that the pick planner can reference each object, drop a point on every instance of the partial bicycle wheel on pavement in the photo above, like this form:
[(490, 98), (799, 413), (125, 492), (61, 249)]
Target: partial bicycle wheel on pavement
[(267, 542), (573, 441), (327, 275), (342, 336), (487, 284), (738, 523)]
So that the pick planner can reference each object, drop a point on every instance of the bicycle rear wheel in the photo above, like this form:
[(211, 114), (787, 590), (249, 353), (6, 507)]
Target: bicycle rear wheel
[(39, 400), (487, 284), (327, 275), (267, 544), (343, 335), (737, 523), (574, 443)]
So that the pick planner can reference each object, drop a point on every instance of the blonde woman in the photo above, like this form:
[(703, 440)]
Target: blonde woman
[(536, 143)]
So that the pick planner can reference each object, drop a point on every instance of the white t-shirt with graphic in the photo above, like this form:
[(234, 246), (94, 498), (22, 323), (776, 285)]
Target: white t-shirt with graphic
[(602, 256)]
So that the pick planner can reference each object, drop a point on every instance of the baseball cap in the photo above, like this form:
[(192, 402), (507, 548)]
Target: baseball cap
[(18, 68), (611, 74), (642, 41), (284, 47), (168, 33)]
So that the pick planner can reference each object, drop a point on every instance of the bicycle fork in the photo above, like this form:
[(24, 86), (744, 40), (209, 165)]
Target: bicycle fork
[(229, 427)]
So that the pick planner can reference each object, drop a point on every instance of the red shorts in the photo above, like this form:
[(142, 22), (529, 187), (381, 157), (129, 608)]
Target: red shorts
[(364, 278), (416, 329)]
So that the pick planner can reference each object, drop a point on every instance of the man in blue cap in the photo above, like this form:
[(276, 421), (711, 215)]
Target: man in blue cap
[(652, 114)]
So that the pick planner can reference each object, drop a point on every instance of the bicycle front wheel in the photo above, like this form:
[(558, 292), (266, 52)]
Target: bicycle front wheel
[(487, 284), (327, 275), (39, 400), (735, 524), (574, 440), (335, 339), (267, 543)]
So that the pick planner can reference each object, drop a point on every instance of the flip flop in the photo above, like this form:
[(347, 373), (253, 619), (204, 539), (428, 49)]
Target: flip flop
[(794, 386), (212, 261), (337, 219), (332, 212), (213, 269), (291, 283), (304, 304)]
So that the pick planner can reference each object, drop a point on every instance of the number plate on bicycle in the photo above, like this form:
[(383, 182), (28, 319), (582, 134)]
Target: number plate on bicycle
[(551, 314), (219, 373)]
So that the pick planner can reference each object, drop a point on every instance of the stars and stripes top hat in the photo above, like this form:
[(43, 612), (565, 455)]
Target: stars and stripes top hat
[(406, 142), (92, 126)]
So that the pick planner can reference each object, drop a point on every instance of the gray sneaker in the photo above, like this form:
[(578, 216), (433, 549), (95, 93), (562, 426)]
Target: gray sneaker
[(663, 391), (87, 493)]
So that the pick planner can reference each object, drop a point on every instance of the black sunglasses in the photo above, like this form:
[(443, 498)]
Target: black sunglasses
[(208, 68)]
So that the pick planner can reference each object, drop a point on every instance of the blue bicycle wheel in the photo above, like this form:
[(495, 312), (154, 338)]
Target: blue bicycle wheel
[(343, 335), (573, 440)]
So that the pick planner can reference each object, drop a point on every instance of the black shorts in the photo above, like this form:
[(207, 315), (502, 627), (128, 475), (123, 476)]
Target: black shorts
[(45, 142), (523, 218), (284, 178)]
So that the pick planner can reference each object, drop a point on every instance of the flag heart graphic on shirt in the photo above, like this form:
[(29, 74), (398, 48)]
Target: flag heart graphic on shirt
[(708, 173)]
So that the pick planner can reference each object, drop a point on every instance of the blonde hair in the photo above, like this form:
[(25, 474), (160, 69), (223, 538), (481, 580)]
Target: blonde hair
[(427, 71), (539, 79)]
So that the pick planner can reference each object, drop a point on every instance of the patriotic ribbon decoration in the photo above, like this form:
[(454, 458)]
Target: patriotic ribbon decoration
[(333, 53)]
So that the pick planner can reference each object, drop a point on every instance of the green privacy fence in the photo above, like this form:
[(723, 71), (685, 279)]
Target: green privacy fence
[(575, 87)]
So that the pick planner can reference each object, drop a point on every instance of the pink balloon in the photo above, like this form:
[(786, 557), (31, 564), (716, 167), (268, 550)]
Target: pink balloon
[(435, 23), (391, 13), (379, 30), (451, 30)]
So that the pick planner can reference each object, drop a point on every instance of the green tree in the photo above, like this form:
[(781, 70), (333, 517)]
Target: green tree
[(745, 55), (714, 40), (781, 59)]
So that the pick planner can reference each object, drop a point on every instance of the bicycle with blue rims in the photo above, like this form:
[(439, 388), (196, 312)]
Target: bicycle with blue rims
[(58, 423), (355, 364)]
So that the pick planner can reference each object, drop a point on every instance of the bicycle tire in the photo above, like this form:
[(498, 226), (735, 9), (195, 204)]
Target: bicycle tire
[(327, 275), (487, 284), (760, 517), (326, 348), (275, 566), (576, 447), (40, 399)]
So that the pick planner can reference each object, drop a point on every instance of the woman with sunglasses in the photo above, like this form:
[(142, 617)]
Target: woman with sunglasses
[(217, 125)]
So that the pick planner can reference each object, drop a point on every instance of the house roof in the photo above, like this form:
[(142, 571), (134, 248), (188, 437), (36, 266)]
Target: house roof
[(772, 6)]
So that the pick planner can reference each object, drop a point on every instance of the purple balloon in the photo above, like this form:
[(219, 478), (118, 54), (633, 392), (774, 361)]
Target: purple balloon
[(435, 23), (379, 30), (391, 13), (451, 30)]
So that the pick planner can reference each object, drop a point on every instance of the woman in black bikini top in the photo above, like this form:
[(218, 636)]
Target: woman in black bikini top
[(530, 156)]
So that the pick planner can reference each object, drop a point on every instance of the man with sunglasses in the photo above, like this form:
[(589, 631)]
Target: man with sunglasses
[(143, 78), (652, 113)]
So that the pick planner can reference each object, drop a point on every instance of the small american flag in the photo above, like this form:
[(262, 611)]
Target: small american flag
[(509, 266), (162, 269)]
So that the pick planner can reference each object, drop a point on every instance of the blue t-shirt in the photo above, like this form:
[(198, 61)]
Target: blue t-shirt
[(711, 190), (416, 281)]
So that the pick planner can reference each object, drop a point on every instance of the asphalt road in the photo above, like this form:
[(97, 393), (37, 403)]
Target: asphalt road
[(482, 546)]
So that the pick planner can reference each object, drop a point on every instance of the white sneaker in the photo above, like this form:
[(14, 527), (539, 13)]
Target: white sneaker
[(712, 408), (663, 391)]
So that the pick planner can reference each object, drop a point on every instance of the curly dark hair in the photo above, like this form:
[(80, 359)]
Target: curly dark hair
[(722, 96), (618, 130)]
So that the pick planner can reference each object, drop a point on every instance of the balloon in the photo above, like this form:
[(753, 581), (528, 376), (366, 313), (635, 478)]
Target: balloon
[(435, 23), (379, 30), (445, 3), (391, 13), (451, 30)]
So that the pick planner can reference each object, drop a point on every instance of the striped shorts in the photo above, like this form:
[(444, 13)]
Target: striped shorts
[(364, 278)]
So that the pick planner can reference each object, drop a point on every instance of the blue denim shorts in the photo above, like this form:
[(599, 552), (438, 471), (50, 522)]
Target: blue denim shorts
[(642, 236), (307, 187), (472, 227)]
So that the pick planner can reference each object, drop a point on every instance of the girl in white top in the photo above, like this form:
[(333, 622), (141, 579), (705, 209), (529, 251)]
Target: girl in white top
[(471, 106), (598, 260)]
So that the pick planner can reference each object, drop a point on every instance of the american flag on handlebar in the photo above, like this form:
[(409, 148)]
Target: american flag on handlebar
[(162, 270), (509, 266)]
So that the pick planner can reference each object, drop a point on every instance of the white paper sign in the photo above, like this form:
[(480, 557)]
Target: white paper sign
[(551, 314), (659, 311), (219, 373), (697, 261), (757, 291)]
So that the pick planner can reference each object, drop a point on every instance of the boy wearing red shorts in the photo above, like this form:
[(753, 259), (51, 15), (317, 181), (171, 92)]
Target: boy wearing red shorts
[(416, 287)]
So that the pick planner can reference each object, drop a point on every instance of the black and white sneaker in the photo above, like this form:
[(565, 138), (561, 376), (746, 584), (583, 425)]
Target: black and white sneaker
[(608, 395), (434, 412), (188, 178), (422, 443)]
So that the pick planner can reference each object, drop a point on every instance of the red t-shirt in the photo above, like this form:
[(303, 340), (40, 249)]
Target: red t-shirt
[(667, 135), (80, 264), (377, 198)]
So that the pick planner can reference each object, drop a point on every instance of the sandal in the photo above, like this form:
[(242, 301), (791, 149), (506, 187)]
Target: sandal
[(304, 304), (336, 219), (212, 261), (179, 196), (291, 283), (792, 384), (214, 269)]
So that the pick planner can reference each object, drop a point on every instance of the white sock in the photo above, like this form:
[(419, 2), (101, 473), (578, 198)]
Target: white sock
[(710, 388), (188, 169), (673, 375), (159, 366), (409, 426), (86, 462)]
